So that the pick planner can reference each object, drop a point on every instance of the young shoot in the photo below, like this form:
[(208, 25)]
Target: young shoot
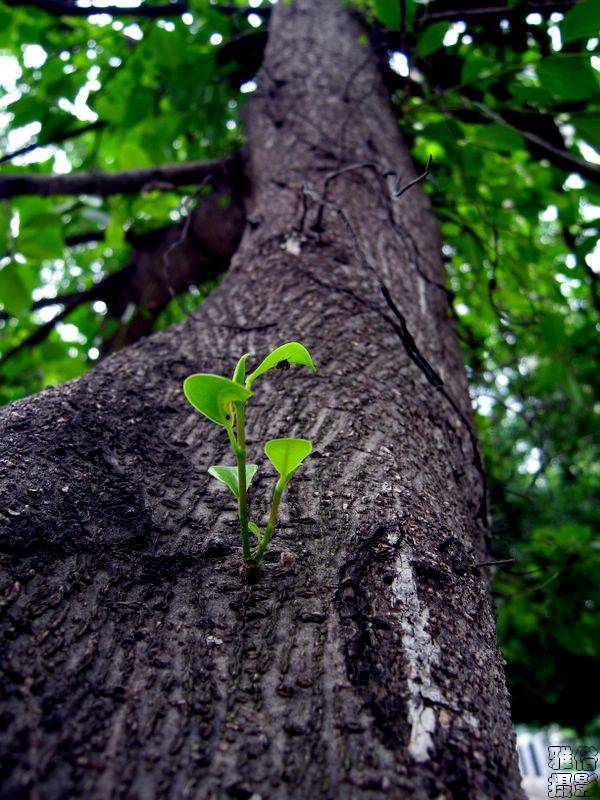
[(223, 401)]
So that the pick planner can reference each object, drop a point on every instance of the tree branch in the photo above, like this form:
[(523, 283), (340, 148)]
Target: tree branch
[(196, 249), (105, 184), (473, 13), (86, 237), (559, 157), (62, 137), (58, 8), (64, 8), (40, 333), (230, 10)]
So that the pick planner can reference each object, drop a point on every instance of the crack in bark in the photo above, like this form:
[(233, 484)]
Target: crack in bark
[(436, 381), (401, 329), (360, 652)]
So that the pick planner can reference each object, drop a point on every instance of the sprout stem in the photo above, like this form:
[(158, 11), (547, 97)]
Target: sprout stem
[(270, 529), (240, 455)]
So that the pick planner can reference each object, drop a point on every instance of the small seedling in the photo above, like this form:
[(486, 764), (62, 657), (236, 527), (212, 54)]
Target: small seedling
[(223, 401)]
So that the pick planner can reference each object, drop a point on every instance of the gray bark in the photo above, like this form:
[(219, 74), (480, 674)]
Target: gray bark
[(136, 660)]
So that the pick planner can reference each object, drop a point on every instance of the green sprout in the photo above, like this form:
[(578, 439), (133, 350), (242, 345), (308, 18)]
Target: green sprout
[(223, 401)]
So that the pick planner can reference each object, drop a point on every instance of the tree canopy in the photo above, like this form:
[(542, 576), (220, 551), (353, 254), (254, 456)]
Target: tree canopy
[(118, 121)]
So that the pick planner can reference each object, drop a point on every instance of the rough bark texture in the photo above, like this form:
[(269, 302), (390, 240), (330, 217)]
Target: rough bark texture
[(136, 661)]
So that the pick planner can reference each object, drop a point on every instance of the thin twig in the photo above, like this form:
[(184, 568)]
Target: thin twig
[(499, 563), (166, 259), (39, 334), (398, 192), (506, 11)]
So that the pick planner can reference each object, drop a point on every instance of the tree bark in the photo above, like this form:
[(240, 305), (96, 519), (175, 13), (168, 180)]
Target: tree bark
[(363, 663)]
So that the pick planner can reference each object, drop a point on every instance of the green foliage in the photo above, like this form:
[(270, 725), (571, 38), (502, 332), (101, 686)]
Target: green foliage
[(286, 455), (223, 401), (239, 374), (582, 21), (229, 476), (388, 13), (432, 38), (158, 95), (286, 354), (567, 78), (15, 296), (214, 396), (540, 629)]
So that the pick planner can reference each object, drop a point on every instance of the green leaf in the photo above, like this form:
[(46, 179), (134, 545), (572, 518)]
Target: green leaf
[(239, 374), (582, 20), (253, 528), (131, 155), (588, 127), (229, 476), (213, 396), (567, 78), (478, 67), (285, 354), (114, 234), (432, 38), (14, 296), (5, 216), (42, 241), (286, 455), (499, 137), (388, 13)]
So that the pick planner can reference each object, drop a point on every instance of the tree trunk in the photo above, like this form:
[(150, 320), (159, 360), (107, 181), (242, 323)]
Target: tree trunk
[(363, 663)]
